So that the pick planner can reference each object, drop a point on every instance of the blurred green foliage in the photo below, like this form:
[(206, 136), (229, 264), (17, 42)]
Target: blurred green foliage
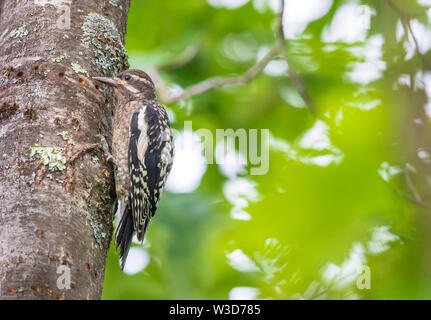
[(318, 201)]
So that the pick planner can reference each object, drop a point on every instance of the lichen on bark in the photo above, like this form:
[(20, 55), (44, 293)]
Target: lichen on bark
[(103, 37)]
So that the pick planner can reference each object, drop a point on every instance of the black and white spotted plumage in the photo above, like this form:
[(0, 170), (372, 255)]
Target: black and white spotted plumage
[(143, 149), (150, 161)]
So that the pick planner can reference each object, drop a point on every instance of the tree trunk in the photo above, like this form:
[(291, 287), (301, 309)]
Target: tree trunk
[(56, 188)]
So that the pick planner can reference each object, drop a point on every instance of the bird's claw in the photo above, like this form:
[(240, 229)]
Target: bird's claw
[(108, 155)]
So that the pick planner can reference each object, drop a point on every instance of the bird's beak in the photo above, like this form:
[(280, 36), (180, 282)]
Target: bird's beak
[(107, 80)]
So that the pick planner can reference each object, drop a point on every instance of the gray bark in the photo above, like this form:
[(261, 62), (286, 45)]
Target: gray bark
[(56, 189)]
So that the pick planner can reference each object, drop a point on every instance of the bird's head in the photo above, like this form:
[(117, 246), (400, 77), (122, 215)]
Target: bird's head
[(131, 84)]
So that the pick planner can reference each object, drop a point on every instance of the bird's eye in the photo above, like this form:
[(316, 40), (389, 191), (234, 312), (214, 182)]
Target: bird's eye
[(127, 77)]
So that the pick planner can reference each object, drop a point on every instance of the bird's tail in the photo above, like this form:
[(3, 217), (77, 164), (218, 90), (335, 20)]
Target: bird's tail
[(124, 234), (140, 234)]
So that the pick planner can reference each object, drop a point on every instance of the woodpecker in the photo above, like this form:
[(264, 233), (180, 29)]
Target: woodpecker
[(143, 153)]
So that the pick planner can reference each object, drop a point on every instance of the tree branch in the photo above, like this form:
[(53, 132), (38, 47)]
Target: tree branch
[(412, 187), (276, 51), (184, 58), (214, 82), (405, 19), (294, 76)]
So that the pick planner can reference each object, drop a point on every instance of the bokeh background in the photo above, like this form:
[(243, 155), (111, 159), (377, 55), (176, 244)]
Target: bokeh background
[(346, 188)]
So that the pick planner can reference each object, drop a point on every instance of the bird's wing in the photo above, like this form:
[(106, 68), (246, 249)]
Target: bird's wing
[(150, 162), (139, 179)]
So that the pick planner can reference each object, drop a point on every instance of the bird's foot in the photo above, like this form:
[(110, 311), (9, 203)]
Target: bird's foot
[(105, 147)]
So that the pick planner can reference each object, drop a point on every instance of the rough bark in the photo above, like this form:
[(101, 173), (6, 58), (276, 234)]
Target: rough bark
[(56, 203)]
